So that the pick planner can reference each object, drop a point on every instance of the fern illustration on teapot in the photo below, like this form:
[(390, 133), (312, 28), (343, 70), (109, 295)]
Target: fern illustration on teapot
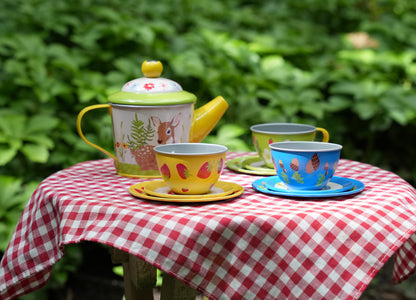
[(139, 142)]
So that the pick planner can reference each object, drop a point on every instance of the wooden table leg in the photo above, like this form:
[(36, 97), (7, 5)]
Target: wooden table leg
[(140, 280), (174, 289), (139, 276)]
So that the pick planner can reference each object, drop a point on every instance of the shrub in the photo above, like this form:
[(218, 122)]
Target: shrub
[(346, 65)]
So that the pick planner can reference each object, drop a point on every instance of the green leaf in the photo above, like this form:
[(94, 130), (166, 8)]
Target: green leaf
[(6, 154), (275, 67), (41, 140), (13, 197), (188, 64), (338, 103), (159, 278), (3, 138), (343, 87), (228, 135), (9, 186), (229, 131), (315, 110), (13, 125), (366, 110), (36, 153), (399, 116), (86, 95), (118, 270), (41, 123)]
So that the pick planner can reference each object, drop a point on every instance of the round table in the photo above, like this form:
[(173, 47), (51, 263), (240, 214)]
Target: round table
[(256, 246)]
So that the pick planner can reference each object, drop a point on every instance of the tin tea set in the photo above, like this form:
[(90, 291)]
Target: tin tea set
[(158, 134)]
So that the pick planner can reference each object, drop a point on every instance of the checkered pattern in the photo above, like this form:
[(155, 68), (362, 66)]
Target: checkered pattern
[(256, 246)]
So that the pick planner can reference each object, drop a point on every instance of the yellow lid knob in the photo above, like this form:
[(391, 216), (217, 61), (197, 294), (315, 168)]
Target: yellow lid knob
[(152, 68)]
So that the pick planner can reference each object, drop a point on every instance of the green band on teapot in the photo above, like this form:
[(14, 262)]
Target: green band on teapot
[(173, 98)]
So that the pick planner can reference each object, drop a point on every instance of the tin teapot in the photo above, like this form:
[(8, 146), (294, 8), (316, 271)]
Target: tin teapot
[(151, 111)]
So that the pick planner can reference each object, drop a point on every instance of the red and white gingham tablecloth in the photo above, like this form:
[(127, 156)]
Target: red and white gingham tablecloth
[(256, 246)]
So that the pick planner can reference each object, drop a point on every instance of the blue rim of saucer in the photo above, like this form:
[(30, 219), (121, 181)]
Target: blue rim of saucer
[(354, 187), (336, 184)]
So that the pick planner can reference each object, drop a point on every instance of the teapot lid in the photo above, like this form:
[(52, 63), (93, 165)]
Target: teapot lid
[(152, 89)]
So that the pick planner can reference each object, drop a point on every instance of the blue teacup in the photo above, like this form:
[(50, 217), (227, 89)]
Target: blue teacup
[(305, 165)]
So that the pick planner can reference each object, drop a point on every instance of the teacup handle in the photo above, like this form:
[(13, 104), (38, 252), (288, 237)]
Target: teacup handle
[(325, 134), (80, 115)]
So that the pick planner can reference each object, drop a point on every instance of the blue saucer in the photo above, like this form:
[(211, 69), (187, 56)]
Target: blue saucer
[(338, 186)]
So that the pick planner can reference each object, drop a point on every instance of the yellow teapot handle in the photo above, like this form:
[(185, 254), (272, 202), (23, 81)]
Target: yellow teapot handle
[(325, 134), (80, 115)]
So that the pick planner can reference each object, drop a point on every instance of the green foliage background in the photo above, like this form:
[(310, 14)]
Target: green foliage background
[(273, 61)]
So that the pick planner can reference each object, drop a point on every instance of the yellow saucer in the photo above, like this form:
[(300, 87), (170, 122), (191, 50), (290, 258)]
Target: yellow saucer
[(138, 190), (250, 165), (160, 189)]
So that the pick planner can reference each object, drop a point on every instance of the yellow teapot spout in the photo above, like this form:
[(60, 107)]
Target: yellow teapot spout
[(206, 117)]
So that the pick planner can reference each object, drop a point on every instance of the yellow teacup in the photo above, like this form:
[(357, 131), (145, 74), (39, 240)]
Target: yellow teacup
[(267, 133), (190, 168)]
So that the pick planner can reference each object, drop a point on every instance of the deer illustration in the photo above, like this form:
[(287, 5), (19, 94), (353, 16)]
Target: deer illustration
[(143, 152), (166, 130)]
